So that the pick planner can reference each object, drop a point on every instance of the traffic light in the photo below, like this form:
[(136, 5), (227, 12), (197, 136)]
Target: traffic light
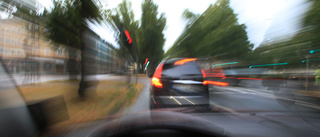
[(313, 51), (128, 36), (146, 61)]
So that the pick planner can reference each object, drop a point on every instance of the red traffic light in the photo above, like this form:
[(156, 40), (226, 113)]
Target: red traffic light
[(146, 61), (128, 36)]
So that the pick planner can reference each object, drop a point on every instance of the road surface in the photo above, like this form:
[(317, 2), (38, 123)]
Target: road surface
[(234, 99)]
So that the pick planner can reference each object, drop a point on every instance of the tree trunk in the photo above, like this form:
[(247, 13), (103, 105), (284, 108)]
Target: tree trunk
[(82, 84), (88, 66), (72, 67)]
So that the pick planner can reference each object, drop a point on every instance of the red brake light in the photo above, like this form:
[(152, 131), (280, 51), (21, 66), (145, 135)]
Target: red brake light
[(158, 71), (203, 74), (181, 62), (155, 81), (217, 83)]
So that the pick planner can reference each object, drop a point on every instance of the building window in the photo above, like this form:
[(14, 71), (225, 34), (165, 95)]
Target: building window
[(6, 31), (1, 40), (6, 41), (30, 26), (1, 50), (18, 53), (47, 51), (12, 41), (13, 30), (18, 41), (7, 51), (12, 52), (19, 30), (60, 51)]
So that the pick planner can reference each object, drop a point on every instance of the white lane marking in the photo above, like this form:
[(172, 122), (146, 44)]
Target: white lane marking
[(154, 101), (234, 90), (226, 109), (258, 90), (308, 105), (171, 97), (188, 100)]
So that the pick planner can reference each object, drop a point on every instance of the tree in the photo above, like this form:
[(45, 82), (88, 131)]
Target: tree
[(311, 24), (148, 38), (122, 19), (216, 32), (67, 25), (295, 50), (151, 34)]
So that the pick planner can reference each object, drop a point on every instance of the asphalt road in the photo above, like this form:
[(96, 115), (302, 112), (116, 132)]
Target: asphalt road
[(244, 99), (254, 110)]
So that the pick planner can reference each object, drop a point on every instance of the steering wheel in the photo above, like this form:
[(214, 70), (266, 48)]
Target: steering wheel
[(160, 123)]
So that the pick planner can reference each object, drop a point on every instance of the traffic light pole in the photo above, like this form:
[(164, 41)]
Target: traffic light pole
[(307, 70), (137, 56), (137, 69)]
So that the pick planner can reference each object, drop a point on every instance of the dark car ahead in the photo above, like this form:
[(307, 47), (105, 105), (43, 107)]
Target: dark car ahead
[(179, 82)]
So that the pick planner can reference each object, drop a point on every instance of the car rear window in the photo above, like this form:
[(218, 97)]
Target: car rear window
[(187, 69)]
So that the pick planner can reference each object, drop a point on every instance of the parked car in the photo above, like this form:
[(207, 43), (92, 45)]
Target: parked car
[(179, 82)]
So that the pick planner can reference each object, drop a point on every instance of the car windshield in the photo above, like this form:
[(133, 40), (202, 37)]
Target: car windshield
[(244, 65), (177, 71)]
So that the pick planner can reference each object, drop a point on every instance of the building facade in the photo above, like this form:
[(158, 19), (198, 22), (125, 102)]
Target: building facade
[(24, 49)]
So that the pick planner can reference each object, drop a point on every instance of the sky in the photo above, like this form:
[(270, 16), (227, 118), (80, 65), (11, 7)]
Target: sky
[(265, 19)]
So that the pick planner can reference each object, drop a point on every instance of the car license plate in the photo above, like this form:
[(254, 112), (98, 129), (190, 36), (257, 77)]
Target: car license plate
[(182, 87)]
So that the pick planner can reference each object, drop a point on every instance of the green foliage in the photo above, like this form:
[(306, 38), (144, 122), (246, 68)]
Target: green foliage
[(295, 50), (122, 18), (311, 23), (147, 35), (216, 32), (67, 25), (151, 34), (66, 21)]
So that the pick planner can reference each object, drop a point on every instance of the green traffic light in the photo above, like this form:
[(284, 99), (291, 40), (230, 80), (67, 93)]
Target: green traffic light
[(147, 63), (276, 64)]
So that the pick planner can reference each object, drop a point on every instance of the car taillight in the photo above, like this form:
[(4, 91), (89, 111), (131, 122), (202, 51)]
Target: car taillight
[(155, 81), (181, 62), (205, 82), (217, 83), (203, 73)]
